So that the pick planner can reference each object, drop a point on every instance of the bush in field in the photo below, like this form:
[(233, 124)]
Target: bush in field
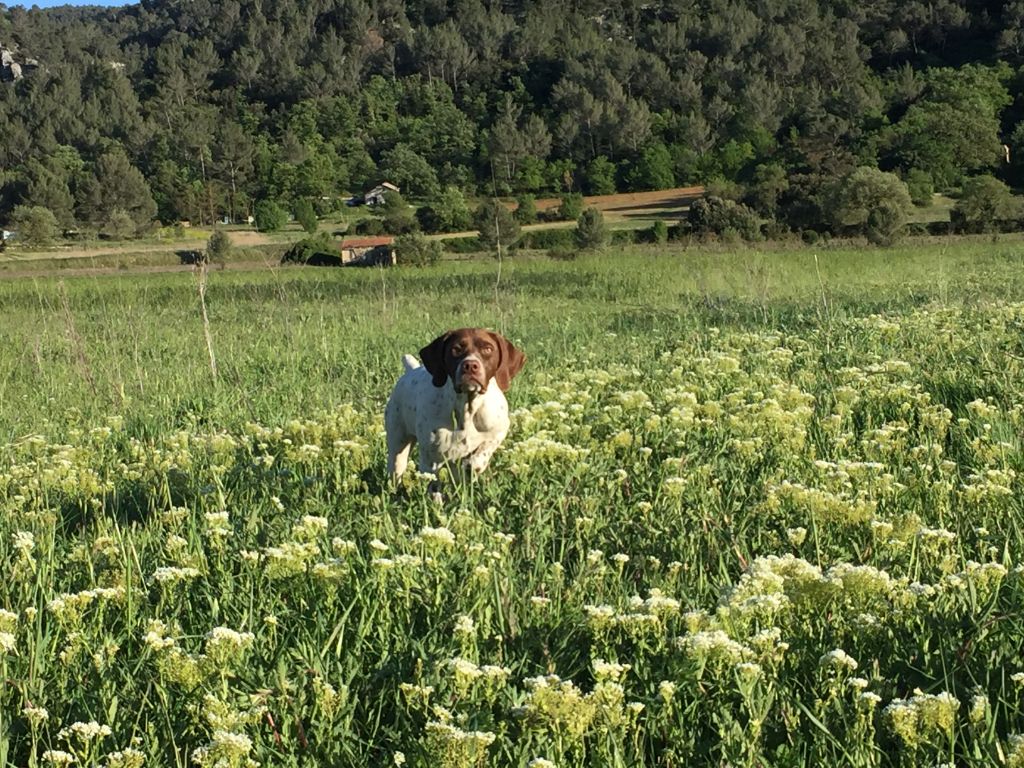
[(318, 249), (496, 225), (36, 225), (659, 232), (270, 217), (120, 225), (370, 227), (218, 247), (984, 202), (416, 249), (920, 186), (715, 216), (306, 216), (591, 233), (526, 209), (571, 206), (868, 202)]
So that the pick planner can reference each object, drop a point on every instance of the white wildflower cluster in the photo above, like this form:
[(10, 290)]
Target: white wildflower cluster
[(838, 660), (68, 608), (225, 646), (437, 537), (125, 758), (922, 717), (167, 575)]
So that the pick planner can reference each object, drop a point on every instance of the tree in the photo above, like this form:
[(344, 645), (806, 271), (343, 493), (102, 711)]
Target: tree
[(571, 206), (653, 170), (306, 216), (409, 170), (497, 227), (416, 249), (35, 224), (269, 216), (218, 247), (599, 176), (526, 209), (397, 215), (591, 233), (869, 202), (920, 187), (119, 225), (984, 202), (117, 185)]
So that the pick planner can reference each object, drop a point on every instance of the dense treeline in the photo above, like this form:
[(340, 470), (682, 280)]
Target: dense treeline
[(198, 109)]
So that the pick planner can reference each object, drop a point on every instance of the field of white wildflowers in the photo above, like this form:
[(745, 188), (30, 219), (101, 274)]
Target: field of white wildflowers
[(792, 537)]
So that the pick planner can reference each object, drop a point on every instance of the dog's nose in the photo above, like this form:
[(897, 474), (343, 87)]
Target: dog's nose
[(471, 366)]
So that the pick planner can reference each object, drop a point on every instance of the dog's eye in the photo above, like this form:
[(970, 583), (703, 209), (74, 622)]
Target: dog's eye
[(456, 351), (486, 349)]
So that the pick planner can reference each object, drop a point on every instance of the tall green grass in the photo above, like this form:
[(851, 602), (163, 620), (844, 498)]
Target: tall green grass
[(754, 509)]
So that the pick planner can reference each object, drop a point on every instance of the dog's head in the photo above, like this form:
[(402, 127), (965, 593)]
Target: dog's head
[(472, 358)]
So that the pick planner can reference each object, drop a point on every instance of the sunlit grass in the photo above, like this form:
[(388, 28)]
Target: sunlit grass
[(754, 509)]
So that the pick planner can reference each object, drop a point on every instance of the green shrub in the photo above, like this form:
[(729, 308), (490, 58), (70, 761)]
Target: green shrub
[(36, 224), (317, 249), (714, 216), (416, 249), (306, 216), (868, 202), (659, 232), (526, 210), (921, 187), (591, 232), (218, 247), (571, 206), (984, 202), (270, 217), (369, 227)]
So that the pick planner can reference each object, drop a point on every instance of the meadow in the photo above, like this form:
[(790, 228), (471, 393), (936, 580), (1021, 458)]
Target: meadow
[(756, 508)]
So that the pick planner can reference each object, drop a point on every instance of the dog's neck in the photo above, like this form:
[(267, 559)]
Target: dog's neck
[(464, 407)]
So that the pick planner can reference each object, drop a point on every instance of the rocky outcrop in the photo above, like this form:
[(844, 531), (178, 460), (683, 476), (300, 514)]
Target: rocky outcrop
[(11, 68)]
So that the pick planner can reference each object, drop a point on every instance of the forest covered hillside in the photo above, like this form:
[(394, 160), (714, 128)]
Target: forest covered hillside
[(198, 109)]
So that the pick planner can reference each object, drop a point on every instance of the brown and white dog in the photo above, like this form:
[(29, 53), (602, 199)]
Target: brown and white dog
[(454, 404)]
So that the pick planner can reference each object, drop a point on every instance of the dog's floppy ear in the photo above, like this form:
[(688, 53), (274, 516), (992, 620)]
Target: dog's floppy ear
[(512, 360), (432, 356)]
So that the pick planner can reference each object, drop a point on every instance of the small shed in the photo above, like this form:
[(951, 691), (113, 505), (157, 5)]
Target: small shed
[(368, 251), (376, 195)]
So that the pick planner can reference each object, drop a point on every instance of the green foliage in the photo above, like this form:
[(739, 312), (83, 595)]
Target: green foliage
[(35, 224), (526, 209), (119, 225), (715, 216), (417, 250), (599, 176), (571, 206), (769, 183), (984, 202), (398, 218), (318, 249), (498, 228), (591, 233), (270, 217), (920, 187), (450, 213), (218, 247), (659, 232), (869, 202), (306, 216), (954, 129), (653, 170), (407, 169)]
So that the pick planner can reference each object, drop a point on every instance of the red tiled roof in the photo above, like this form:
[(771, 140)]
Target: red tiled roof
[(367, 242)]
